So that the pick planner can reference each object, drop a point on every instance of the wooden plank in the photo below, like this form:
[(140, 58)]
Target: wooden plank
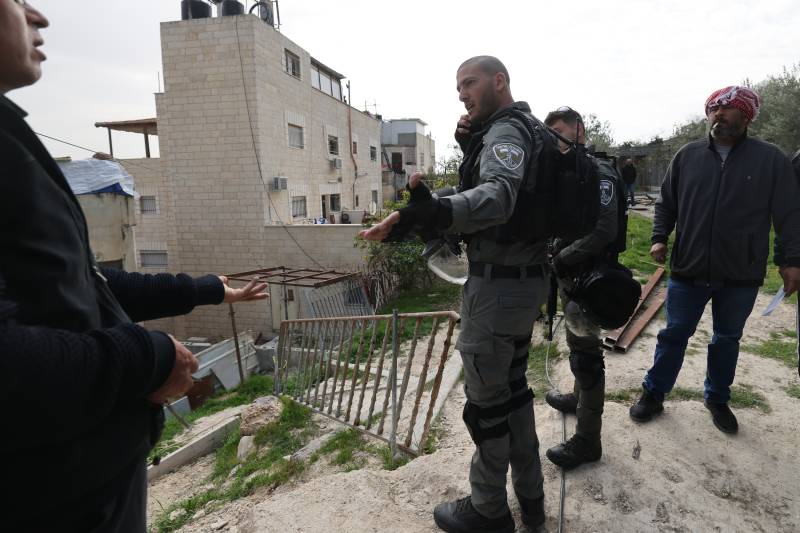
[(612, 338), (655, 303)]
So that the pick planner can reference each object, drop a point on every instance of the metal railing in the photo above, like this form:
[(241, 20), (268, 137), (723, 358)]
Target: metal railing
[(345, 368)]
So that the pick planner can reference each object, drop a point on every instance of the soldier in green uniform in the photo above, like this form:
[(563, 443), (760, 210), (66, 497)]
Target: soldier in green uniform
[(501, 297), (583, 336)]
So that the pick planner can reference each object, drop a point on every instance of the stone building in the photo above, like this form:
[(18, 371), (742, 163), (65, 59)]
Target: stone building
[(406, 150), (257, 141)]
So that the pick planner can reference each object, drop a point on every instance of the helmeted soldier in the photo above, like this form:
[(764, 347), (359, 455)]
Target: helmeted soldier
[(501, 297), (572, 259)]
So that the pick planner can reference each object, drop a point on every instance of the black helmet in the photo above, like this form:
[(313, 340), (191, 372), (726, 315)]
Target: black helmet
[(608, 295)]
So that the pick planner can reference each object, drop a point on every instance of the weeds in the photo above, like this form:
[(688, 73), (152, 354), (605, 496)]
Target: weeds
[(254, 387), (742, 396), (793, 391), (537, 375), (775, 348), (280, 438)]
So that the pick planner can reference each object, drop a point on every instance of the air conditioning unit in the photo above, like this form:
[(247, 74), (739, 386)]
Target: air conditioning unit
[(336, 163), (280, 183)]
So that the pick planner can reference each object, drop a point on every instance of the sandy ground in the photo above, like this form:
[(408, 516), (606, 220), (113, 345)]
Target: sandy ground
[(688, 477)]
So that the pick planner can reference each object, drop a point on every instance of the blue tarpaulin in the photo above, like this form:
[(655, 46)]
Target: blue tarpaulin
[(94, 176)]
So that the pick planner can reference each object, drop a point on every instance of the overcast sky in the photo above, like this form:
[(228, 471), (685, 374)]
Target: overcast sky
[(642, 65)]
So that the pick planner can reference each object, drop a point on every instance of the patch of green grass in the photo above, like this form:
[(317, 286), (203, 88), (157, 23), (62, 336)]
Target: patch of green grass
[(254, 387), (389, 462), (441, 296), (793, 391), (792, 334), (744, 396), (637, 255), (623, 395), (344, 446), (774, 348), (537, 376), (279, 439), (435, 433), (682, 394)]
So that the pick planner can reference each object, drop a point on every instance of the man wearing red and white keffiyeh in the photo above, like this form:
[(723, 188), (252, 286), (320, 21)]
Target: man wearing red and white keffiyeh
[(720, 196), (742, 98)]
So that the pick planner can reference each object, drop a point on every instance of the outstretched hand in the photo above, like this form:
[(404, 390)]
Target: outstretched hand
[(381, 231), (254, 290)]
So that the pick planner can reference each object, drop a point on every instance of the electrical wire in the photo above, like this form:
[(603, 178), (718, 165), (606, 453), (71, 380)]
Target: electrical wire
[(121, 162), (563, 491), (255, 150)]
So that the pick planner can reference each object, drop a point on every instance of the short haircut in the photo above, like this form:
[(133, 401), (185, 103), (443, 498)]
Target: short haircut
[(489, 65), (568, 115)]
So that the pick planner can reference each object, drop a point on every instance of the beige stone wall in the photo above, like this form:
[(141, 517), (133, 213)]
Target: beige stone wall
[(111, 220)]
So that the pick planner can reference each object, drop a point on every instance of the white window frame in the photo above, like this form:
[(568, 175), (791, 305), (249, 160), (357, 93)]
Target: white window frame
[(334, 138), (290, 60), (148, 212), (296, 202), (152, 255), (294, 127)]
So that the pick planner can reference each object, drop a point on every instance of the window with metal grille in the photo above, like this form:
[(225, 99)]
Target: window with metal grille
[(296, 136), (299, 207), (373, 153), (333, 145), (153, 258), (375, 197), (292, 64), (336, 202), (148, 205), (355, 147)]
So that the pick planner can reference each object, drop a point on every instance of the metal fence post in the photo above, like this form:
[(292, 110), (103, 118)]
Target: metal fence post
[(395, 350)]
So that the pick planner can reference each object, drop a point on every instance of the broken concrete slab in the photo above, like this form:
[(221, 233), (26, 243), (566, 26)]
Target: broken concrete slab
[(305, 453), (247, 447), (258, 414), (203, 444)]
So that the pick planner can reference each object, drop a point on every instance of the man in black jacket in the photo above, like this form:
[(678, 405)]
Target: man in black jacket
[(83, 386), (721, 195)]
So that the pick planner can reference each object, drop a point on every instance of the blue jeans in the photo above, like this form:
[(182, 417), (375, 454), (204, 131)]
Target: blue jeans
[(631, 188), (730, 307)]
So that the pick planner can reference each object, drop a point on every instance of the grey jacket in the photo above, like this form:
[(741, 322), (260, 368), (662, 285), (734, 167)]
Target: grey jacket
[(505, 153), (722, 212), (605, 232)]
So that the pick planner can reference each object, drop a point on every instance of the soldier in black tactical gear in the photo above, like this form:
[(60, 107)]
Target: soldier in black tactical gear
[(501, 298), (571, 259)]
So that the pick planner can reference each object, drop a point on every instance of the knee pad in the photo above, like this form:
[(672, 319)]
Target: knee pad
[(588, 370), (473, 414)]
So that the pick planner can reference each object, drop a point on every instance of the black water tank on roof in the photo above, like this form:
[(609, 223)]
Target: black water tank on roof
[(231, 7), (194, 9)]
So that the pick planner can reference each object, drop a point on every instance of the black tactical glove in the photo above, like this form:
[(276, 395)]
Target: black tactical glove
[(424, 215)]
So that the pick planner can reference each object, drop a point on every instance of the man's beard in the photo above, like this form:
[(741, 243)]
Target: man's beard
[(727, 130)]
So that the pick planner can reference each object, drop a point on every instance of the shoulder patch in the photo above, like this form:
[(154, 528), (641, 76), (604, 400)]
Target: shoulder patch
[(606, 192), (510, 155)]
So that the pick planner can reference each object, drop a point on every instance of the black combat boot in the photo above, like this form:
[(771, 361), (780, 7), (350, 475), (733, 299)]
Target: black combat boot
[(532, 511), (723, 417), (576, 451), (646, 407), (566, 403), (461, 517)]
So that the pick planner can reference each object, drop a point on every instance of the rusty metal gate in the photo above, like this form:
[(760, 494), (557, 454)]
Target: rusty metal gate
[(347, 369)]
